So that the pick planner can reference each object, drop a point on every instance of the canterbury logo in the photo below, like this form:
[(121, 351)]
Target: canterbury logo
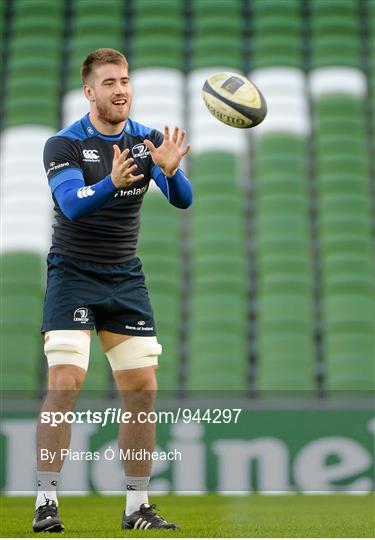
[(85, 192), (142, 524), (91, 155)]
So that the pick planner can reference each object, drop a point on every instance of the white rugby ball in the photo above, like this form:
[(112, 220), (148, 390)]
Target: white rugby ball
[(234, 100)]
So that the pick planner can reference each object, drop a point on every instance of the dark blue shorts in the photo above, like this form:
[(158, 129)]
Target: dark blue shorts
[(82, 295)]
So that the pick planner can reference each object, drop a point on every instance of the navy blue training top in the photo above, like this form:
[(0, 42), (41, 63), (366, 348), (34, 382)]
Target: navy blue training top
[(80, 152)]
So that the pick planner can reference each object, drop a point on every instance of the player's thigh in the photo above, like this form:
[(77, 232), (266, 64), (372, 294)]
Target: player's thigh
[(109, 340), (64, 375), (133, 359)]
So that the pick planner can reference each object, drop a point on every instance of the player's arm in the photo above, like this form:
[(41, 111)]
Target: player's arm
[(177, 188), (167, 155), (68, 186)]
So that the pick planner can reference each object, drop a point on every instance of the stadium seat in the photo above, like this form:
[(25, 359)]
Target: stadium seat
[(277, 35), (167, 85), (335, 37), (36, 236), (284, 86), (288, 362), (284, 281), (156, 39), (36, 28), (218, 276), (210, 23), (102, 28), (21, 286), (352, 357)]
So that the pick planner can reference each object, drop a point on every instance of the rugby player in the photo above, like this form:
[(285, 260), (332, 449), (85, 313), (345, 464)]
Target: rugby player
[(99, 169)]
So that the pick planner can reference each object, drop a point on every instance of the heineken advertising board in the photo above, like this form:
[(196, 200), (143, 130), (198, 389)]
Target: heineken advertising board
[(263, 451)]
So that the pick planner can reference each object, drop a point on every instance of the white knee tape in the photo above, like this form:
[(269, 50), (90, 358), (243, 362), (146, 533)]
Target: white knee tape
[(68, 347), (135, 352)]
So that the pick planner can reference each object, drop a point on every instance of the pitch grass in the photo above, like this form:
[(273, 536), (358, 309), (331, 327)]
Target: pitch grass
[(206, 516)]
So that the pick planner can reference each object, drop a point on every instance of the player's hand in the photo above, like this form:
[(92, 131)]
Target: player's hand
[(169, 154), (123, 168)]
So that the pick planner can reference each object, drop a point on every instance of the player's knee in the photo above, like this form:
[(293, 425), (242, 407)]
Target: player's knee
[(67, 347), (134, 353), (65, 379)]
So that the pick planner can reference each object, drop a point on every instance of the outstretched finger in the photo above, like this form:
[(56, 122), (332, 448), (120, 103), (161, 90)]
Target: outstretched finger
[(181, 138), (185, 150), (150, 146), (117, 151), (167, 135), (175, 134)]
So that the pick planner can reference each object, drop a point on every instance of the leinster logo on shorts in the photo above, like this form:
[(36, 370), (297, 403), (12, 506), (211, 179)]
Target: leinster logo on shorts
[(80, 315)]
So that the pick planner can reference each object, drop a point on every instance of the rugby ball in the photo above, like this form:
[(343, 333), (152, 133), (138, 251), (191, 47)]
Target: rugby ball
[(234, 100)]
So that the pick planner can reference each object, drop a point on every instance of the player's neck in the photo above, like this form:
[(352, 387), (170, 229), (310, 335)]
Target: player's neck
[(105, 127)]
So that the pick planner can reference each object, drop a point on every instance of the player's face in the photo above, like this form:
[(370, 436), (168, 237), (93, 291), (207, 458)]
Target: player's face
[(111, 92)]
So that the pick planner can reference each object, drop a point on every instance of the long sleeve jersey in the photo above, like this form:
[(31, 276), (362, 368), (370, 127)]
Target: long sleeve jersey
[(94, 220)]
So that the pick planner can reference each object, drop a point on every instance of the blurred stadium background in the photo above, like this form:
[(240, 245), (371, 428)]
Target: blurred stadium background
[(267, 283)]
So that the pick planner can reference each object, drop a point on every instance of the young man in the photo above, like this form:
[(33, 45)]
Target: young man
[(99, 169)]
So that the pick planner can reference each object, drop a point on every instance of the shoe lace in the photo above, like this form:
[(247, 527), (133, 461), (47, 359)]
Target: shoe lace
[(46, 509), (151, 510)]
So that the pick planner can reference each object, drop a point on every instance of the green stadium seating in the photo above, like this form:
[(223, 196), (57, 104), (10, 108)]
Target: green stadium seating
[(33, 25), (2, 34), (22, 268), (36, 29), (352, 357), (277, 34), (21, 360), (289, 360), (94, 26), (323, 8), (278, 23), (159, 250), (336, 51), (272, 7), (157, 39), (21, 286), (27, 8), (38, 112), (218, 277), (284, 292), (344, 223), (217, 31)]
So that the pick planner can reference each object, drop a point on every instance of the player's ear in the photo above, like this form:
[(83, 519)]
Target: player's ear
[(89, 93)]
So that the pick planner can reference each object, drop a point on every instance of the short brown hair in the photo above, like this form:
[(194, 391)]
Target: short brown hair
[(98, 58)]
